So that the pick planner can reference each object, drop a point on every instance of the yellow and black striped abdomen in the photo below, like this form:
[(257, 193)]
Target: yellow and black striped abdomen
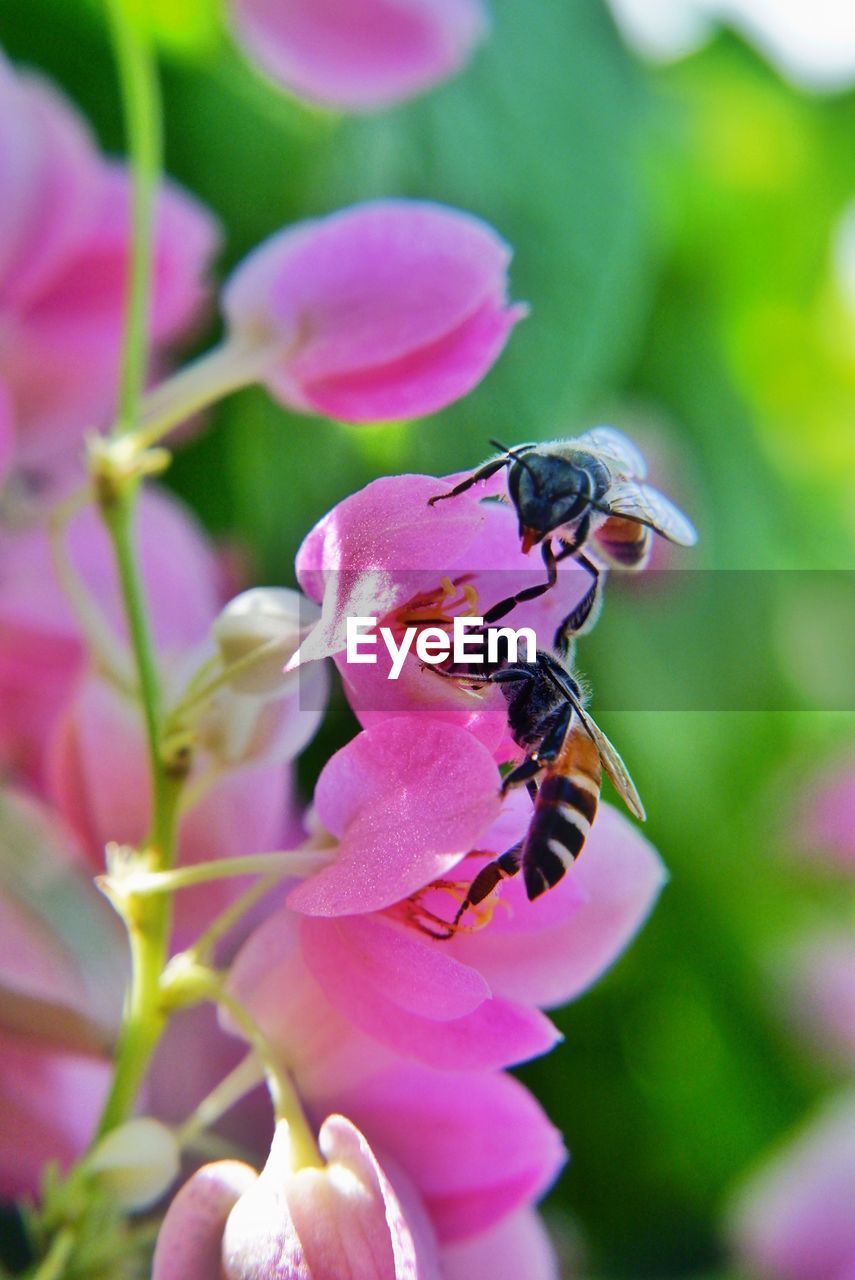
[(564, 811)]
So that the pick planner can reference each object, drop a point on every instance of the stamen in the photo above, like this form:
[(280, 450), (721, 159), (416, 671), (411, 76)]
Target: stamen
[(452, 598), (415, 913)]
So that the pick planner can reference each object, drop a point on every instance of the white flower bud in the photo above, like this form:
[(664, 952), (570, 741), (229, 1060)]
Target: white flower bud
[(136, 1163), (269, 622)]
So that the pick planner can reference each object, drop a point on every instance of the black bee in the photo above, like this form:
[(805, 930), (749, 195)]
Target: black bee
[(566, 753), (588, 493)]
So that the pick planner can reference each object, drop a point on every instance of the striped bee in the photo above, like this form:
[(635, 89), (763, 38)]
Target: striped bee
[(588, 493), (566, 753)]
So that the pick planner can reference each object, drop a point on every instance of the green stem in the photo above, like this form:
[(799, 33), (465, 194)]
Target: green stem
[(283, 1094), (119, 518), (54, 1265), (144, 1020), (236, 1085), (229, 367), (287, 862), (103, 644), (149, 925), (200, 690), (142, 112), (227, 919)]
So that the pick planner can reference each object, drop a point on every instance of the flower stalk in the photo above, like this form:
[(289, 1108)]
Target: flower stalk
[(117, 488)]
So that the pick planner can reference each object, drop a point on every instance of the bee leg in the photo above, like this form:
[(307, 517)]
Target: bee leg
[(487, 878), (483, 473), (530, 593), (585, 610), (550, 747), (524, 772)]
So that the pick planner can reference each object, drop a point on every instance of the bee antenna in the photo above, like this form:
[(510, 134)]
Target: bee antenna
[(517, 457)]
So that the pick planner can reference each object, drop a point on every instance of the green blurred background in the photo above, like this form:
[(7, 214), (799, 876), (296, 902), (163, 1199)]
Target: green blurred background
[(674, 232)]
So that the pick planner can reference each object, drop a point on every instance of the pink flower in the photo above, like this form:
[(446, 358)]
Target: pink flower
[(58, 1001), (59, 711), (826, 817), (63, 974), (42, 650), (822, 993), (297, 1223), (390, 309), (359, 55), (240, 806), (7, 438), (794, 1221), (401, 1031), (383, 552), (474, 1143), (405, 801), (518, 1247), (368, 942), (64, 234)]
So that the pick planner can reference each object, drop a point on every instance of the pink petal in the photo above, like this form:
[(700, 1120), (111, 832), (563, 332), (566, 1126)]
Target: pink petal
[(548, 951), (59, 185), (7, 431), (56, 932), (32, 961), (476, 1145), (386, 307), (359, 55), (41, 650), (373, 698), (50, 1103), (376, 550), (342, 1220), (822, 993), (105, 795), (414, 976), (190, 1241), (270, 977), (353, 1238), (62, 356), (390, 985), (422, 382), (406, 802), (826, 816), (795, 1221), (518, 1247), (179, 566)]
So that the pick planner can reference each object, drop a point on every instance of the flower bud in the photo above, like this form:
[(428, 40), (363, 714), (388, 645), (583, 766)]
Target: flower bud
[(390, 309), (136, 1163), (359, 55), (287, 1223), (268, 622)]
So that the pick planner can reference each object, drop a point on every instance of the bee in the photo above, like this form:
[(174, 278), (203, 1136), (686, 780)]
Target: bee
[(565, 756), (587, 493)]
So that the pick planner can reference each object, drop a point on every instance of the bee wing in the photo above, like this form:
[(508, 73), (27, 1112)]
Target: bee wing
[(616, 450), (648, 506), (613, 765), (611, 761)]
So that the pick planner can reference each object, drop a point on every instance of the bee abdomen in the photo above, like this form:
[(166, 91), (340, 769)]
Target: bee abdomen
[(565, 809), (626, 542)]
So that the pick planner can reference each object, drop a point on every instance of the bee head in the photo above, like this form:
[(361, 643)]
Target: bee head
[(547, 492)]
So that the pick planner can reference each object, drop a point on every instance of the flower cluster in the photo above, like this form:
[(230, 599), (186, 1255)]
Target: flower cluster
[(793, 1220), (151, 709)]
